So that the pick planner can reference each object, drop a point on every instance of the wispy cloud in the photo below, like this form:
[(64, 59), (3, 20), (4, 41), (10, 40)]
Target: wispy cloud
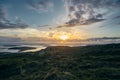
[(5, 23), (41, 5)]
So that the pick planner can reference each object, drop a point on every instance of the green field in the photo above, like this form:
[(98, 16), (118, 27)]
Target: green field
[(98, 62)]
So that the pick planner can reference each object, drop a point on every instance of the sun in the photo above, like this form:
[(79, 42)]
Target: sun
[(64, 37)]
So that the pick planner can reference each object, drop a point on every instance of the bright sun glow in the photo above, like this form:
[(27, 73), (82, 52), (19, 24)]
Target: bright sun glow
[(64, 37)]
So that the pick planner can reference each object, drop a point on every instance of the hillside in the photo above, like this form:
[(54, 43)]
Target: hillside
[(98, 62)]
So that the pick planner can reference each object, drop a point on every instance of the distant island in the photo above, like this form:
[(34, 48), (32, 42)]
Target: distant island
[(22, 48), (95, 62)]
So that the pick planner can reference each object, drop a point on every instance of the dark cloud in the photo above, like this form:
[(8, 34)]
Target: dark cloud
[(119, 23), (74, 22), (93, 20), (41, 5), (103, 38), (44, 25), (6, 24), (85, 12), (117, 17)]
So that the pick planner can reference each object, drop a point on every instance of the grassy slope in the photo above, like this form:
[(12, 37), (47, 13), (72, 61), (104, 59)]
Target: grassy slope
[(63, 63)]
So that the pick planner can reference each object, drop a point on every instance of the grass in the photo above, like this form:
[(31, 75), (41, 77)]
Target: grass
[(99, 62)]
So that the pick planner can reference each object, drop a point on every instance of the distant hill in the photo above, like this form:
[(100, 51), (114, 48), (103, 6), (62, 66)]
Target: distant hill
[(97, 62)]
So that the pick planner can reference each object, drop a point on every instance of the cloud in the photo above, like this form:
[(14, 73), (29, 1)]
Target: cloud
[(119, 23), (7, 24), (9, 39), (76, 22), (44, 25), (103, 38), (117, 17), (41, 5), (86, 12)]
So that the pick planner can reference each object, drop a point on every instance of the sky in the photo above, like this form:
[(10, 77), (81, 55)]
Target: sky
[(48, 20)]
